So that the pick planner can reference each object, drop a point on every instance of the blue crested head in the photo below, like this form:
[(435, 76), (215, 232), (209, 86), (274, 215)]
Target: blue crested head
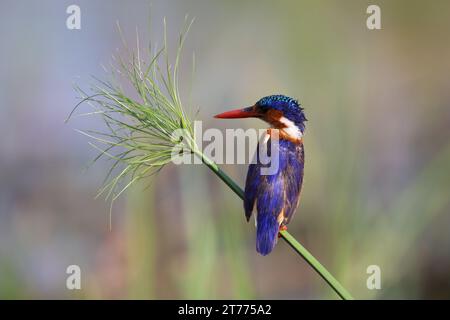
[(289, 108), (280, 111)]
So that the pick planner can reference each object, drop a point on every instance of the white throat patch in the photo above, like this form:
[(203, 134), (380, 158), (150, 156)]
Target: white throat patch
[(291, 129)]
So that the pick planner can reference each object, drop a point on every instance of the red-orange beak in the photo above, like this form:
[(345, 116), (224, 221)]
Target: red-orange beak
[(249, 112)]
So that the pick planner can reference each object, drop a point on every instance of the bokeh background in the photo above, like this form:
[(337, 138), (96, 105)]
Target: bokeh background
[(377, 176)]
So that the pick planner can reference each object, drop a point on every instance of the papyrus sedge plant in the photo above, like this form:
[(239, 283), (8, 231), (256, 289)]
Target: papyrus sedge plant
[(139, 138)]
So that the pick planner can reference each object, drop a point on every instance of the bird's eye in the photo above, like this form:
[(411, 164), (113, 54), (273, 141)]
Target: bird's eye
[(260, 109)]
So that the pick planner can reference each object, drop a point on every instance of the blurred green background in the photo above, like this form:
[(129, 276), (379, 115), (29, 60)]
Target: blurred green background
[(377, 177)]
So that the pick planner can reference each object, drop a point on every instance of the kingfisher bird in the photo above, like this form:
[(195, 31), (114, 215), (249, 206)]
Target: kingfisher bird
[(275, 197)]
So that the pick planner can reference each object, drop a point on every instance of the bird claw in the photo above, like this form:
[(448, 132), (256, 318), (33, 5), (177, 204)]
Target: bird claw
[(282, 228)]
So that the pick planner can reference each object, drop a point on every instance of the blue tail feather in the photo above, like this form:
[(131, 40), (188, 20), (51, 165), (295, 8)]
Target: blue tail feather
[(266, 233)]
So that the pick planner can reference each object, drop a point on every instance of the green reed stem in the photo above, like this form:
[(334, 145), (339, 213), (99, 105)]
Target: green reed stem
[(305, 254)]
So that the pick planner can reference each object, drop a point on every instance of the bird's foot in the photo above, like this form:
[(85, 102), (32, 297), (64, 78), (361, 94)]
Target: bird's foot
[(282, 228)]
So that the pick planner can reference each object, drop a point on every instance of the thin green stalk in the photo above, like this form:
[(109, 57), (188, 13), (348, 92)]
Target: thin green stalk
[(309, 258)]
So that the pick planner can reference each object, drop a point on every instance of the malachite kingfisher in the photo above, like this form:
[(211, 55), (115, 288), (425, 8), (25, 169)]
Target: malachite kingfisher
[(274, 198)]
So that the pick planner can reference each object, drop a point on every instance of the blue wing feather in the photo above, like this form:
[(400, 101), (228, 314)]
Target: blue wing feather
[(294, 180), (251, 187)]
